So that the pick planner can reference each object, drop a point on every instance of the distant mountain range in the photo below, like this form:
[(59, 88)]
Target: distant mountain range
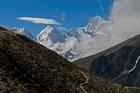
[(75, 44), (28, 67)]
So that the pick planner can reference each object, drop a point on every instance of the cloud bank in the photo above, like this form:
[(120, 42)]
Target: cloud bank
[(39, 20), (125, 17)]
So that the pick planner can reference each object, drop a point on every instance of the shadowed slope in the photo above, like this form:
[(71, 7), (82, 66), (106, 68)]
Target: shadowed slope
[(120, 63)]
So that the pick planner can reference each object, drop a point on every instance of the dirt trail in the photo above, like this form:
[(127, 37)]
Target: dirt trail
[(86, 81)]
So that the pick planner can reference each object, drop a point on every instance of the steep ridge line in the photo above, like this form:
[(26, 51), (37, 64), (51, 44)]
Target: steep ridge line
[(86, 81)]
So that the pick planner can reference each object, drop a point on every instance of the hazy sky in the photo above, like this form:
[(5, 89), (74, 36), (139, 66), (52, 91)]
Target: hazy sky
[(70, 13)]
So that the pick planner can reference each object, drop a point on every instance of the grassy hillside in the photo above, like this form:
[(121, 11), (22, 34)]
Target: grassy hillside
[(28, 67)]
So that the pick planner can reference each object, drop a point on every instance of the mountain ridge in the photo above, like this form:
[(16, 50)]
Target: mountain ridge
[(118, 46), (28, 67)]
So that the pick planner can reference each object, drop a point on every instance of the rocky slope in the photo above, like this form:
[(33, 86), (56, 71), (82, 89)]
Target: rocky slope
[(120, 63), (28, 67)]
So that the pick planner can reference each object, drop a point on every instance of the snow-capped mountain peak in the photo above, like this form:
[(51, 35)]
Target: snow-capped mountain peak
[(47, 30), (49, 35), (81, 42), (23, 31), (96, 25)]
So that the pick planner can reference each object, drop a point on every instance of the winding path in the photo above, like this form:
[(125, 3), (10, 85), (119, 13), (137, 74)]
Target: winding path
[(86, 81)]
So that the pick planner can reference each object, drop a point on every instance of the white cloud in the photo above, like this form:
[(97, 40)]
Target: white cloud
[(39, 20), (125, 18)]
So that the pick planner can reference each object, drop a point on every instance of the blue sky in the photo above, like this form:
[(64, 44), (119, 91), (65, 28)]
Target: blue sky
[(70, 13)]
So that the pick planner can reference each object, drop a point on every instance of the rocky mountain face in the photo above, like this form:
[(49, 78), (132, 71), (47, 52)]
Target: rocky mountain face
[(120, 64), (28, 67)]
